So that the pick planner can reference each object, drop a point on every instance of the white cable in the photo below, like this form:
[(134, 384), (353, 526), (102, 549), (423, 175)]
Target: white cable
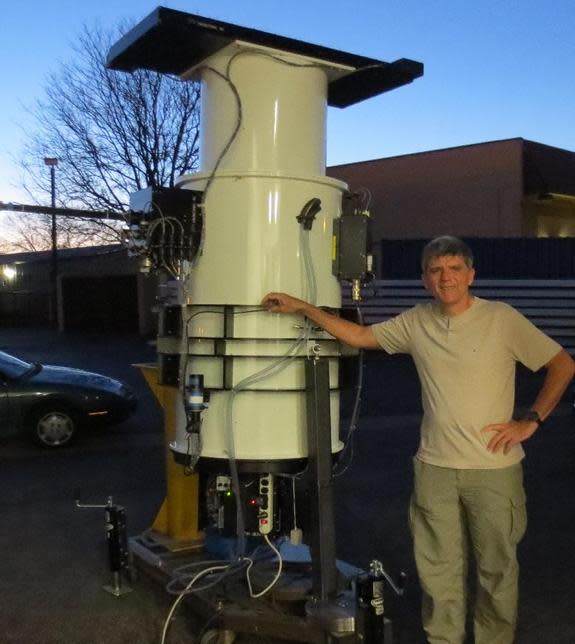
[(276, 577), (163, 222), (311, 283), (181, 596), (396, 589)]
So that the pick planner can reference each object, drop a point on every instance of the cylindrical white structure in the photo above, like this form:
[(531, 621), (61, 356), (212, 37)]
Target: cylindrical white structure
[(252, 239), (252, 244), (283, 112)]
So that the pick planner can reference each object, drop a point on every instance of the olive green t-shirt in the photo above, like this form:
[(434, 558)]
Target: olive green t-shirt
[(466, 365)]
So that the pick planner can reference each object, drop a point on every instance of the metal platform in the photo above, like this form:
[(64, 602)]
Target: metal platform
[(287, 612)]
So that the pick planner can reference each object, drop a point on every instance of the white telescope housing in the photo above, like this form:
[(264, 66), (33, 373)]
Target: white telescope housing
[(253, 245), (263, 150)]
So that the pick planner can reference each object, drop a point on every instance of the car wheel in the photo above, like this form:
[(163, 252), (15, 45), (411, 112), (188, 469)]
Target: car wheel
[(53, 427)]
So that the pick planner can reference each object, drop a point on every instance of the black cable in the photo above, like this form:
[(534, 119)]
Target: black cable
[(239, 118), (349, 445)]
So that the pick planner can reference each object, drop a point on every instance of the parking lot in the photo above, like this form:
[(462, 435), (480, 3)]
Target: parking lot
[(54, 555)]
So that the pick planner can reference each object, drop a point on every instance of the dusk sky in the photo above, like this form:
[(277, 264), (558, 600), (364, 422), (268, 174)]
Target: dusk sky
[(494, 69)]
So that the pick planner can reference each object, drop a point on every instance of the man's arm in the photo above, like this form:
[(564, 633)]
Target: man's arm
[(560, 371), (356, 335)]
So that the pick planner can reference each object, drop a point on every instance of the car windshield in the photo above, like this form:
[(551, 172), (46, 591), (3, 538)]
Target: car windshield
[(13, 367)]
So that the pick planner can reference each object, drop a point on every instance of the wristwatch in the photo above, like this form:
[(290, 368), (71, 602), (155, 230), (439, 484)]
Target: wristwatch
[(532, 415)]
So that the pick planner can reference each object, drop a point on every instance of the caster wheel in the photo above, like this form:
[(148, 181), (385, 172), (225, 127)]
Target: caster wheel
[(215, 636)]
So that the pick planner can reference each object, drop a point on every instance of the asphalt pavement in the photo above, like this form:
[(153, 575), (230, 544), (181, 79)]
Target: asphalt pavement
[(54, 561)]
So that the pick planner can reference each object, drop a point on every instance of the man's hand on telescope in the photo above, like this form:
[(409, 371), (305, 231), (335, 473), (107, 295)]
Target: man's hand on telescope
[(283, 303), (349, 332)]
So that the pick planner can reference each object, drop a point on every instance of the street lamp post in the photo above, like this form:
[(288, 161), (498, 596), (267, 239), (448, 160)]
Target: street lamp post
[(52, 163)]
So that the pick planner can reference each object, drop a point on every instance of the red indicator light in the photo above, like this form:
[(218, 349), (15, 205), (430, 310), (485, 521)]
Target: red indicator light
[(263, 521)]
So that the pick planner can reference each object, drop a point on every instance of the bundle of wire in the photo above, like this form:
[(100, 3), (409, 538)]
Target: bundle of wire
[(216, 571)]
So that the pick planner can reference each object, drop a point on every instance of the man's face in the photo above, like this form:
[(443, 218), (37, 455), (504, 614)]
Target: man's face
[(448, 279)]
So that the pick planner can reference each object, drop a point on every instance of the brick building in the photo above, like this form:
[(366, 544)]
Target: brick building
[(499, 189)]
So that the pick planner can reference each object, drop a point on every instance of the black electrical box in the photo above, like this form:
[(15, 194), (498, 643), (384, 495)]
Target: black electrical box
[(166, 202), (169, 369), (350, 243), (171, 321), (171, 222)]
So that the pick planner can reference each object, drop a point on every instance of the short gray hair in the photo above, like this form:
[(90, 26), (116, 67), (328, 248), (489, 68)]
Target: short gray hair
[(446, 245)]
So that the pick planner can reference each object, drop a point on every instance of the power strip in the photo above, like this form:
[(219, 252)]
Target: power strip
[(266, 512)]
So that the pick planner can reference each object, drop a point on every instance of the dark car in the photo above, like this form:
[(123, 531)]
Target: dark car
[(53, 403)]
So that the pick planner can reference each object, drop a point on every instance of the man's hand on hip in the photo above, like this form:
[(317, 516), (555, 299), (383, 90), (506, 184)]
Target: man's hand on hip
[(507, 435)]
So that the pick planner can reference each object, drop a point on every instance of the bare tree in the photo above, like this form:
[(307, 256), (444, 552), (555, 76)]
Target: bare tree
[(113, 133), (34, 233)]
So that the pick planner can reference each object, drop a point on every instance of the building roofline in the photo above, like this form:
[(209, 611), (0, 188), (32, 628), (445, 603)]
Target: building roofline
[(437, 151), (63, 253)]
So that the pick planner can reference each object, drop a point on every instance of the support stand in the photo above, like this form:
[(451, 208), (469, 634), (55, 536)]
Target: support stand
[(324, 573), (118, 553), (336, 617), (117, 549)]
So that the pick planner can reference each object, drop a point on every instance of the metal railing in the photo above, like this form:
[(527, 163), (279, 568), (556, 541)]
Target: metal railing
[(549, 304)]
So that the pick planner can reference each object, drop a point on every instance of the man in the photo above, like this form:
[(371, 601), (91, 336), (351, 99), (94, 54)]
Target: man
[(468, 479)]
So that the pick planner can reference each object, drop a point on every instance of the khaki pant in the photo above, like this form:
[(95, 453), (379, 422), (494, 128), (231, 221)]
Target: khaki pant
[(449, 509)]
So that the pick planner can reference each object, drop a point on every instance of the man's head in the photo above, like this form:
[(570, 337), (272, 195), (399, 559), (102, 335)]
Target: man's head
[(446, 245), (447, 265)]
